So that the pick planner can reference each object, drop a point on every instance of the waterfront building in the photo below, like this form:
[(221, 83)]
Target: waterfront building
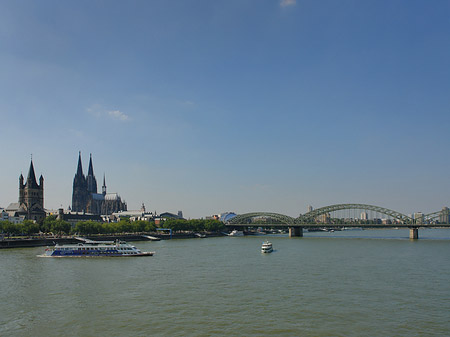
[(324, 218), (227, 216), (132, 215), (85, 198), (74, 217), (167, 215), (4, 216), (364, 216), (444, 217), (419, 218), (31, 198)]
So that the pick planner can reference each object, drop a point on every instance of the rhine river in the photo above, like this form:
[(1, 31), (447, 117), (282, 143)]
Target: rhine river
[(349, 283)]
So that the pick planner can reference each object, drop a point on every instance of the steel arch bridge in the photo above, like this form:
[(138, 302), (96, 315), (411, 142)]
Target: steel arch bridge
[(310, 216), (247, 217)]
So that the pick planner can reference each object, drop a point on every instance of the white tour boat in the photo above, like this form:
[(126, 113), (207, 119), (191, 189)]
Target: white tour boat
[(266, 247), (236, 233), (95, 249)]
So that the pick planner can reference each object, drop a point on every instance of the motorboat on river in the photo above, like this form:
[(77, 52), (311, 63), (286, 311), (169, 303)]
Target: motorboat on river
[(236, 233), (95, 249), (266, 247)]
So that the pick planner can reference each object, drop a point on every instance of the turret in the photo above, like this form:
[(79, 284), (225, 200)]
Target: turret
[(21, 190), (41, 187)]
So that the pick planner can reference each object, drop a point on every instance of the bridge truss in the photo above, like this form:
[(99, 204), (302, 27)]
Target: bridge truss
[(248, 217), (314, 214)]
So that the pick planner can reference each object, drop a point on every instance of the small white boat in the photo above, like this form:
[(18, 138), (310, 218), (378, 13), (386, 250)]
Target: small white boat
[(266, 247), (236, 233)]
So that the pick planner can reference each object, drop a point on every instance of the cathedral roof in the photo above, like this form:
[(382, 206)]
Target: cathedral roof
[(112, 196), (98, 196)]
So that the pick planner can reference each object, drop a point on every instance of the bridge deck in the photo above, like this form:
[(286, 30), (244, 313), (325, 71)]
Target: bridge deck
[(315, 225)]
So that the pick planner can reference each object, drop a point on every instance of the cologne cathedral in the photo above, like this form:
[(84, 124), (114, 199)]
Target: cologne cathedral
[(85, 197)]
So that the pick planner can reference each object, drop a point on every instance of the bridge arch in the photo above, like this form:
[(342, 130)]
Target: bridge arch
[(310, 216), (247, 217), (440, 217)]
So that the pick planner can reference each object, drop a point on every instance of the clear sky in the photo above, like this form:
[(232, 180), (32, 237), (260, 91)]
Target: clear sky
[(238, 105)]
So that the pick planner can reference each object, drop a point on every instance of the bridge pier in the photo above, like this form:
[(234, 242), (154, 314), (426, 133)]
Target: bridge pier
[(414, 233), (295, 231)]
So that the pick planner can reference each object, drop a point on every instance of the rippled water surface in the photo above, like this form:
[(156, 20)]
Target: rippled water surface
[(349, 283)]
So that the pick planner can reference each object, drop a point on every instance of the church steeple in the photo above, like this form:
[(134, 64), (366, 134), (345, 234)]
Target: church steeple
[(80, 167), (91, 181), (104, 185), (31, 179), (91, 169)]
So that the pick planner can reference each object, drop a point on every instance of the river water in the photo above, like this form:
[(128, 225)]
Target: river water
[(349, 283)]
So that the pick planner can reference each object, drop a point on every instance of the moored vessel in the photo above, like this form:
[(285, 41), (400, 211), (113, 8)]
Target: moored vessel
[(95, 249), (236, 233)]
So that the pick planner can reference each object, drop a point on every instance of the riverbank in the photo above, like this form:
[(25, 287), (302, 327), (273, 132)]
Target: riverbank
[(51, 241)]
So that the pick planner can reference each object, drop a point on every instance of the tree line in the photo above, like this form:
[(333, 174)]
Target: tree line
[(53, 225)]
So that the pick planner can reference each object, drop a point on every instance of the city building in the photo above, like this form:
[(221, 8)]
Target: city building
[(4, 216), (132, 215), (444, 216), (74, 217), (419, 218), (31, 198), (226, 216), (324, 218), (85, 198)]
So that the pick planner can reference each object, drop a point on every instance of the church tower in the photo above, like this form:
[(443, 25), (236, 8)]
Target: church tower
[(80, 193), (31, 195)]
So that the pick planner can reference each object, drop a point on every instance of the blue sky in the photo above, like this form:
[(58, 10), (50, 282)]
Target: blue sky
[(238, 105)]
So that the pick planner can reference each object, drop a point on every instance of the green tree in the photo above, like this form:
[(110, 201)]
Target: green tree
[(47, 223), (60, 227), (30, 227)]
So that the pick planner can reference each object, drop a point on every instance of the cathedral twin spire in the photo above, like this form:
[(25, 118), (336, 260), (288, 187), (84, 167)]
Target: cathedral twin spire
[(85, 197), (83, 186), (89, 181)]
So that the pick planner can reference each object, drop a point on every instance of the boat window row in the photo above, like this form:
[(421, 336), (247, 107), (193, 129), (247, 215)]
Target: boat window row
[(97, 248)]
